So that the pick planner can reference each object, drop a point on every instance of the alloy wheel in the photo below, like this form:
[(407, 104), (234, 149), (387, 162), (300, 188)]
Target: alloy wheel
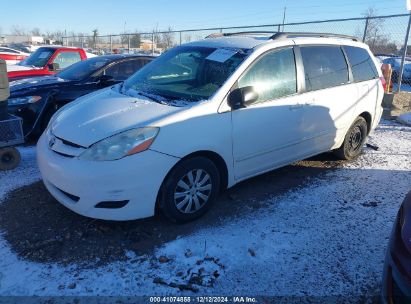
[(192, 191)]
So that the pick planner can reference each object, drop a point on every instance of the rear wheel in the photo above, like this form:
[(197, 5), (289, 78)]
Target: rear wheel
[(189, 190), (354, 140), (9, 158)]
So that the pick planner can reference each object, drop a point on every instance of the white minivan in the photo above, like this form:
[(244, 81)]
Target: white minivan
[(206, 115)]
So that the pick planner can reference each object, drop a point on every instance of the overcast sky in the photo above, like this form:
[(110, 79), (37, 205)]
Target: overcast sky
[(129, 15)]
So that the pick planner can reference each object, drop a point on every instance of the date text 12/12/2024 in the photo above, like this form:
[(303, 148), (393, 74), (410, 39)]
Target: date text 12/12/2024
[(199, 299)]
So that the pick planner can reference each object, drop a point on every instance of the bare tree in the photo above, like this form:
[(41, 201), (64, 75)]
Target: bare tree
[(125, 39), (135, 40), (18, 30), (188, 38), (56, 36), (167, 39), (35, 32), (374, 34), (156, 36)]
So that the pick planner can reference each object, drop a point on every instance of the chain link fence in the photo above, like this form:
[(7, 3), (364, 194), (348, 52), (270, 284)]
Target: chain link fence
[(384, 34)]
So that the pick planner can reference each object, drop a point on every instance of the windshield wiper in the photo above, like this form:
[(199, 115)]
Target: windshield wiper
[(150, 96), (121, 88)]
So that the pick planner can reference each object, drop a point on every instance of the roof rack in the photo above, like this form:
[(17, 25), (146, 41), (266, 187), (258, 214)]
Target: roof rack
[(281, 35), (217, 35)]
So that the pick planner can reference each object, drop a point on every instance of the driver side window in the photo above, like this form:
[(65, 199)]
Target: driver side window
[(272, 76)]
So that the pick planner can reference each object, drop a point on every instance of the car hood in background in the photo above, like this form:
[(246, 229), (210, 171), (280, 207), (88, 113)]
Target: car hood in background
[(17, 68), (104, 113), (34, 83)]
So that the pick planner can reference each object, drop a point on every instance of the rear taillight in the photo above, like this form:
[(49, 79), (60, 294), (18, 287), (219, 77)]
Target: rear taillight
[(384, 83)]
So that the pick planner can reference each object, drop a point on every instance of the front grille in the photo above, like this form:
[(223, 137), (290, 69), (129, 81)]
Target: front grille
[(64, 147), (69, 143), (63, 154)]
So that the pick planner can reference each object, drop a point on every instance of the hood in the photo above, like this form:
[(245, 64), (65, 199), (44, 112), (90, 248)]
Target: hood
[(104, 113), (17, 68), (34, 83)]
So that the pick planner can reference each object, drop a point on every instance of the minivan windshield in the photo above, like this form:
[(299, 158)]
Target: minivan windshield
[(188, 73), (39, 58)]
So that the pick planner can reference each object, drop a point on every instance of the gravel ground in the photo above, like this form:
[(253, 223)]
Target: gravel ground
[(316, 228)]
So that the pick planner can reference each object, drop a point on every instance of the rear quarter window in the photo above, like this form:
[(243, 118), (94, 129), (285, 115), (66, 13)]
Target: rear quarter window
[(362, 66), (324, 67)]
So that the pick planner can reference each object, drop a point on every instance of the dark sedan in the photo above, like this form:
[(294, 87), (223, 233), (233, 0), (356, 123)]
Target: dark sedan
[(37, 99), (396, 285)]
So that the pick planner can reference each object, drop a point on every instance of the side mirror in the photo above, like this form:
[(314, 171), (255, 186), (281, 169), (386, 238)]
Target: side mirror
[(242, 97), (53, 67), (105, 79)]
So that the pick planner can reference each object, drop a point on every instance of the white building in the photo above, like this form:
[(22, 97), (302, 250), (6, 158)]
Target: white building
[(26, 39)]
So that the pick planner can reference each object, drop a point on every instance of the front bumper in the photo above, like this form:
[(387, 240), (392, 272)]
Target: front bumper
[(81, 185), (396, 283)]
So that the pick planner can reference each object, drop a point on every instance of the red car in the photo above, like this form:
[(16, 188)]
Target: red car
[(46, 60), (12, 56), (396, 283)]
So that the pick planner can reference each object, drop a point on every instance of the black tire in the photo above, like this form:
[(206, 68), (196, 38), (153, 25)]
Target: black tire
[(9, 158), (354, 140), (195, 194)]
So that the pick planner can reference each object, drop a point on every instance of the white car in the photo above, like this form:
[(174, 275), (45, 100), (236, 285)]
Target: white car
[(206, 115), (12, 56)]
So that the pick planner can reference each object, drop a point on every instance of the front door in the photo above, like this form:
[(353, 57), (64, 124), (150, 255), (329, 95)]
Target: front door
[(268, 133)]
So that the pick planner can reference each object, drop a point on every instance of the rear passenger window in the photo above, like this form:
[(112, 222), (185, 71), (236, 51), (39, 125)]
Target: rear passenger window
[(362, 66), (122, 70), (324, 67), (272, 76)]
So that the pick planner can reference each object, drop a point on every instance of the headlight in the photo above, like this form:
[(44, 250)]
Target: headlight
[(120, 145), (23, 100)]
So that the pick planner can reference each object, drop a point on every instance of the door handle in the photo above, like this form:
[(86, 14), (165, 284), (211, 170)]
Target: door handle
[(296, 106)]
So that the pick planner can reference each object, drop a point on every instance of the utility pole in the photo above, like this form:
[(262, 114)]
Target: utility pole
[(285, 10)]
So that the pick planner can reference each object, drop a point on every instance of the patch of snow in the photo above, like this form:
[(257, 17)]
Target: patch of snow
[(405, 118), (28, 82), (90, 55), (326, 238), (25, 174)]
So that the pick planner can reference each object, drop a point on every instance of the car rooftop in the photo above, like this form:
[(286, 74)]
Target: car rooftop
[(249, 40), (120, 56)]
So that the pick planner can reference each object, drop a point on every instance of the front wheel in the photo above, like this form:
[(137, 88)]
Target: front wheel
[(354, 140), (9, 158), (189, 189)]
